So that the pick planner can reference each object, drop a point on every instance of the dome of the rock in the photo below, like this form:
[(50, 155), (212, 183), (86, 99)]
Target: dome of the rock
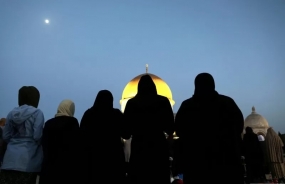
[(132, 87)]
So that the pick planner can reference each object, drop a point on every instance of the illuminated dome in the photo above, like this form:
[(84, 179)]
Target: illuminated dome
[(132, 87), (257, 122)]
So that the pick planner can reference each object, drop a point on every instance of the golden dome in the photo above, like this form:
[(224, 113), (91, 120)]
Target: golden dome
[(132, 87)]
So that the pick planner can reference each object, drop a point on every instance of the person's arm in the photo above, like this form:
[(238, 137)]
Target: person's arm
[(180, 119), (84, 120), (127, 121), (8, 130), (168, 116), (74, 125), (38, 125), (45, 138), (238, 116), (120, 121)]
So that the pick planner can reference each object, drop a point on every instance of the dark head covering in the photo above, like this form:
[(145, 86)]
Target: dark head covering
[(204, 85), (248, 130), (146, 86), (104, 100), (29, 95)]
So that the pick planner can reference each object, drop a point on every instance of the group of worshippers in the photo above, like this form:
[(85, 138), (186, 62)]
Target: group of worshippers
[(263, 156), (61, 150)]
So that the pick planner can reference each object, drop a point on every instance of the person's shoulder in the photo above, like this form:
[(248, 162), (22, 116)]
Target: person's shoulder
[(9, 115), (38, 112), (71, 118), (117, 111), (49, 122), (228, 102), (162, 97), (87, 112), (57, 119), (226, 98), (132, 101), (188, 101)]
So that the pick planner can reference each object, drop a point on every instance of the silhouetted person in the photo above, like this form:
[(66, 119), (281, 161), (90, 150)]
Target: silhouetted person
[(147, 116), (23, 132), (274, 154), (253, 156), (60, 146), (283, 139), (210, 126), (103, 153)]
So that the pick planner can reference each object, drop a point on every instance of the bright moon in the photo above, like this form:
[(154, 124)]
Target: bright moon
[(47, 21)]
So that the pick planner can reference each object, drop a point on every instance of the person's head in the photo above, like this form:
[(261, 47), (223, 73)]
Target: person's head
[(2, 121), (29, 95), (66, 108), (248, 130), (204, 83), (146, 86), (104, 99)]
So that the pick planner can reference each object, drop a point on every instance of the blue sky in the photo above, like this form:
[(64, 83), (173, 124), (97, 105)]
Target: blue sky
[(94, 45)]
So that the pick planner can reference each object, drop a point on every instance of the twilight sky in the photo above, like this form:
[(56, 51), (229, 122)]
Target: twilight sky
[(92, 45)]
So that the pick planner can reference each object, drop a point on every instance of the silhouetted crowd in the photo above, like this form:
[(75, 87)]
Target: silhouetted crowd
[(209, 148)]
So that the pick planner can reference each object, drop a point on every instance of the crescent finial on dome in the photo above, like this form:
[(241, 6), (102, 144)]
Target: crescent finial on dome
[(146, 68), (253, 109)]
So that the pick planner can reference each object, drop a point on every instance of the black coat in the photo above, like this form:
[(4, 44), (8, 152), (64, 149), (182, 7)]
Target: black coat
[(102, 155), (209, 125), (60, 147), (147, 117), (253, 154), (252, 148)]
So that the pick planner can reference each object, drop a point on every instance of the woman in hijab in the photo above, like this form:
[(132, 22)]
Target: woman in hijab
[(103, 153), (148, 116), (23, 132), (253, 155), (274, 152), (209, 112), (59, 146)]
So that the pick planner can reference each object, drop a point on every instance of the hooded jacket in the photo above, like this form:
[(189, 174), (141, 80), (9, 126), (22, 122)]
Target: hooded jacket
[(23, 132)]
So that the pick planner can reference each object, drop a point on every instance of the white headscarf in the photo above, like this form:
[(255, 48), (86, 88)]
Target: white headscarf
[(261, 138), (66, 108)]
